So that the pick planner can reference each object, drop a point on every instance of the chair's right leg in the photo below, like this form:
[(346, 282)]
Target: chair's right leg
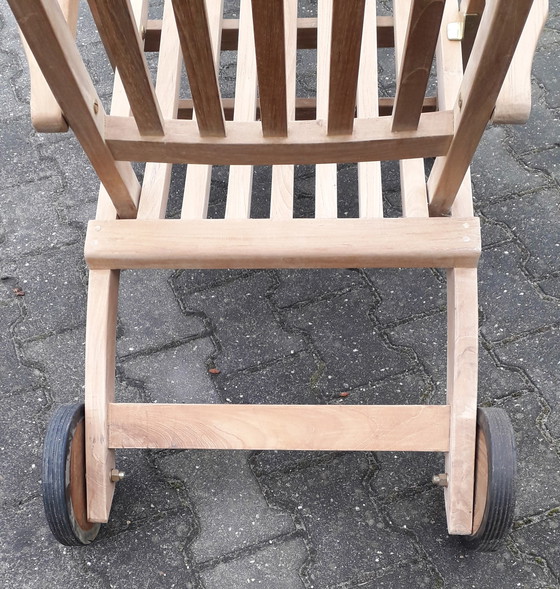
[(100, 390)]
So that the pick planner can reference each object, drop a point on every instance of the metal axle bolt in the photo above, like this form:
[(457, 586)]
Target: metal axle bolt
[(440, 480), (116, 475)]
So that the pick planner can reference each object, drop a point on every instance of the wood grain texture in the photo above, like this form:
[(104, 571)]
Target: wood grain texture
[(306, 33), (415, 61), (43, 25), (462, 380), (346, 41), (46, 114), (307, 143), (268, 26), (196, 44), (100, 390), (157, 176), (501, 26), (126, 47), (296, 243), (280, 427)]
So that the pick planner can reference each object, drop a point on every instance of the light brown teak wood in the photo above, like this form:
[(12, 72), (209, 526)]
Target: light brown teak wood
[(296, 243), (286, 427)]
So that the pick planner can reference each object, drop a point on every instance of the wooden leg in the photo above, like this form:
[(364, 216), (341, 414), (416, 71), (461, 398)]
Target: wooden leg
[(100, 390), (462, 373)]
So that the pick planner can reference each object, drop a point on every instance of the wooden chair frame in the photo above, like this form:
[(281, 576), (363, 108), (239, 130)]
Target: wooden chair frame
[(347, 122)]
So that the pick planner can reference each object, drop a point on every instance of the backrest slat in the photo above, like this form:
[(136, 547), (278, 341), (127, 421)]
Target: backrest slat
[(268, 25), (346, 40), (124, 45), (192, 23), (415, 63)]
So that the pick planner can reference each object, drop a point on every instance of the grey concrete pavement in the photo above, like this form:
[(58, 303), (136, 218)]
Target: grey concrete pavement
[(227, 520)]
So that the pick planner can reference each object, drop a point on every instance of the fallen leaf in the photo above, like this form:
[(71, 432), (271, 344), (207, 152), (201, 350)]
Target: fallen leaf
[(343, 394), (214, 371)]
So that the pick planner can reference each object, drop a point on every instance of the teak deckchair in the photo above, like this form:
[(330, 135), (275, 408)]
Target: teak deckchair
[(480, 77)]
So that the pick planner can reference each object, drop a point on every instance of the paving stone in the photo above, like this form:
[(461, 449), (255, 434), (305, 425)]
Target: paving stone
[(416, 574), (55, 297), (36, 203), (494, 232), (547, 76), (423, 518), (491, 181), (149, 313), (175, 375), (327, 499), (186, 282), (231, 511), (241, 318), (510, 303), (274, 567), (13, 107), (301, 286), (290, 380), (551, 287), (533, 218), (539, 357), (15, 376), (347, 342), (540, 541)]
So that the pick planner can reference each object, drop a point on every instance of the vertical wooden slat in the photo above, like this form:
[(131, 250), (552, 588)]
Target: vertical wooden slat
[(125, 44), (192, 22), (46, 31), (414, 194), (268, 25), (157, 176), (198, 177), (326, 205), (240, 184), (369, 173), (346, 40), (501, 26), (415, 62)]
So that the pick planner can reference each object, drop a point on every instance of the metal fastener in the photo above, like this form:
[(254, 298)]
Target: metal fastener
[(440, 480), (456, 31), (116, 475), (96, 107)]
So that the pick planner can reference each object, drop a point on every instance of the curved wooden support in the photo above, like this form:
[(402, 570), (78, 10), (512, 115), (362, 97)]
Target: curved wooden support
[(514, 102), (46, 114)]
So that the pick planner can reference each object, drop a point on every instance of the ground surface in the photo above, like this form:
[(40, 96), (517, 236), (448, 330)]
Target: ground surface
[(219, 520)]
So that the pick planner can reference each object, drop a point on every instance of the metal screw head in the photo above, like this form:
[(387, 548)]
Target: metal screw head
[(96, 107), (440, 480), (116, 475)]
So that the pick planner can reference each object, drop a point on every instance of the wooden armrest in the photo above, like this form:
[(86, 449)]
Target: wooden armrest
[(514, 101), (46, 114)]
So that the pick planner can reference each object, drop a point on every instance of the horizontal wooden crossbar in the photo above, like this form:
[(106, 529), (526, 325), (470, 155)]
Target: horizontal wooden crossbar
[(306, 33), (307, 142), (295, 243), (423, 428)]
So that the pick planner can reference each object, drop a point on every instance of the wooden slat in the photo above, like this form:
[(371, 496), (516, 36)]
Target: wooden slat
[(296, 243), (100, 389), (192, 22), (370, 195), (326, 201), (282, 186), (281, 427), (268, 25), (462, 377), (244, 144), (46, 114), (499, 32), (306, 33), (240, 182), (196, 193), (49, 38), (346, 41), (415, 59), (157, 176), (305, 107), (414, 194), (123, 38)]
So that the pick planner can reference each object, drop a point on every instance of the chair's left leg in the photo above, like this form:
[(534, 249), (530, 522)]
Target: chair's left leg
[(462, 376), (100, 390)]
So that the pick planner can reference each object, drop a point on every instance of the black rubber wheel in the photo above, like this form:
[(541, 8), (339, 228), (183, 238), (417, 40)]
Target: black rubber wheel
[(495, 470), (64, 478)]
